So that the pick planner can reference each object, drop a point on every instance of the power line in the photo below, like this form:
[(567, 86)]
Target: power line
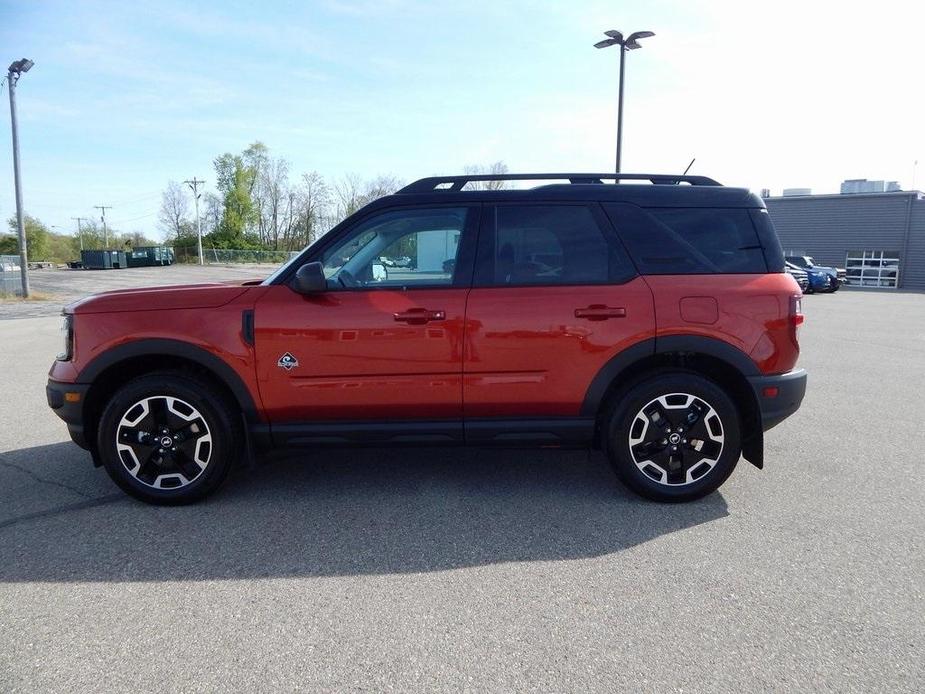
[(139, 198), (133, 219)]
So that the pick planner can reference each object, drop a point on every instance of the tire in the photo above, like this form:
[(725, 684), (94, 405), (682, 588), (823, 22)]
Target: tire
[(674, 466), (168, 438)]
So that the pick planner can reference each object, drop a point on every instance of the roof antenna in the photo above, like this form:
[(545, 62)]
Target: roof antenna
[(689, 166)]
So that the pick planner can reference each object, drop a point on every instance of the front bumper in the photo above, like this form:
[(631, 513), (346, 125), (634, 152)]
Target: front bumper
[(67, 400), (778, 397)]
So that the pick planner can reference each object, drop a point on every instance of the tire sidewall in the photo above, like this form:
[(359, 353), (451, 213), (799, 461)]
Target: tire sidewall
[(639, 395), (214, 411)]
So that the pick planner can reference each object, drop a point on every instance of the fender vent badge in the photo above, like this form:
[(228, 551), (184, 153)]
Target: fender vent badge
[(288, 362)]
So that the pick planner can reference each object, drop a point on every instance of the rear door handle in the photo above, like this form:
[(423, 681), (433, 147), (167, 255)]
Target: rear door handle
[(419, 316), (600, 312)]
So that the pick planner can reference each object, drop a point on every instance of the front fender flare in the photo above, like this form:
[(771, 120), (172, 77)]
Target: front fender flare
[(175, 348)]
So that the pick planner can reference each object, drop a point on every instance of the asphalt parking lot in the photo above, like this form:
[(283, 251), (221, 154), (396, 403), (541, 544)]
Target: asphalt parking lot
[(59, 287), (472, 570)]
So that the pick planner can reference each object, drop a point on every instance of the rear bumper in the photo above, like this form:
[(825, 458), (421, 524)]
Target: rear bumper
[(776, 405), (67, 401)]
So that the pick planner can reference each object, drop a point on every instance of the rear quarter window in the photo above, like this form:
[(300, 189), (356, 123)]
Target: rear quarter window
[(689, 241)]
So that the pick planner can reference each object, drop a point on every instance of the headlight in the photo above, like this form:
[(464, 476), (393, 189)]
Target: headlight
[(67, 334)]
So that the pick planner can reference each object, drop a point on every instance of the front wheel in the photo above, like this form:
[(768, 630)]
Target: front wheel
[(168, 438), (673, 437)]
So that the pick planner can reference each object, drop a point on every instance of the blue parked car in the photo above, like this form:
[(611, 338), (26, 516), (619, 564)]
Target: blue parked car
[(799, 274), (821, 278)]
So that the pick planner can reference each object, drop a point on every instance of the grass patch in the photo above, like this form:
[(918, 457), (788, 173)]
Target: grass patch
[(33, 296)]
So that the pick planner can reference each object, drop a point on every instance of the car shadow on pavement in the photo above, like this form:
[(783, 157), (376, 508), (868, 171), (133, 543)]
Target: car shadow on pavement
[(334, 513)]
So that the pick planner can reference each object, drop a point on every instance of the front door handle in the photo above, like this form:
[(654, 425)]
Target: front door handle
[(419, 316), (600, 312)]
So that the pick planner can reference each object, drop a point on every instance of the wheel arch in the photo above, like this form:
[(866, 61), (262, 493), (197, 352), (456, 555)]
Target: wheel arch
[(719, 361), (115, 367)]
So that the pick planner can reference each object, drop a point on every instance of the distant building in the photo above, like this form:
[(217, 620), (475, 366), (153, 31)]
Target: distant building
[(853, 186), (790, 192), (879, 237)]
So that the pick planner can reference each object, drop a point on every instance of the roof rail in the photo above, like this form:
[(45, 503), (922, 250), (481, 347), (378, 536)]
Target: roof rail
[(456, 183)]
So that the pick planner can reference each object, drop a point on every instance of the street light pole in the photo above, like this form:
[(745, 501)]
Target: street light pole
[(630, 43), (13, 74), (620, 110)]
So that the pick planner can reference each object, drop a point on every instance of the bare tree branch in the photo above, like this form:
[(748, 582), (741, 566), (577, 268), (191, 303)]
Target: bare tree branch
[(499, 168)]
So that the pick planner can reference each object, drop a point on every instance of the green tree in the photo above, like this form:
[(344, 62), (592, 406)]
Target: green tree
[(92, 235), (37, 239), (235, 183), (62, 248), (134, 239)]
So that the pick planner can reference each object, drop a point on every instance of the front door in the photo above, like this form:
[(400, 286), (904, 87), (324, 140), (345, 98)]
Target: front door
[(384, 342)]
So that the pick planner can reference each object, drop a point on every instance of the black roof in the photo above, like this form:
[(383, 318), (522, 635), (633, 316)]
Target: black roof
[(661, 190)]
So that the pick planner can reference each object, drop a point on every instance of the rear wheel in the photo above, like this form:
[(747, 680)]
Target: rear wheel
[(673, 437), (168, 438)]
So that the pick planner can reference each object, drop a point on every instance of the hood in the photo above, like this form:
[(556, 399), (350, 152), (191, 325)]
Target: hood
[(179, 296)]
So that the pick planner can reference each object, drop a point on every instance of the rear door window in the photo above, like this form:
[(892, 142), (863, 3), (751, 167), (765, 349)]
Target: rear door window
[(689, 241), (524, 245)]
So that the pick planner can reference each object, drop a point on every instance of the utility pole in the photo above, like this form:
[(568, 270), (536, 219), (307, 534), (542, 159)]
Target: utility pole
[(13, 74), (80, 236), (102, 209), (194, 186)]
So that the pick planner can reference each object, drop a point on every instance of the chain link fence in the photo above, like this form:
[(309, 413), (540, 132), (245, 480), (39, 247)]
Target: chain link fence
[(10, 278), (225, 256)]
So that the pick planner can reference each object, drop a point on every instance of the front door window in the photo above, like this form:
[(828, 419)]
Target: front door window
[(400, 248)]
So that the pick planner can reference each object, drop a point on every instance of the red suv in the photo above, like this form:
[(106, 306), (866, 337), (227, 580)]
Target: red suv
[(654, 321)]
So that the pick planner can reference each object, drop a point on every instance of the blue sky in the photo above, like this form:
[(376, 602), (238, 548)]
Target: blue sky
[(125, 96)]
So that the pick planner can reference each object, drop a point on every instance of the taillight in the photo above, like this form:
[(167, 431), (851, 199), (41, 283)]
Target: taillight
[(796, 317)]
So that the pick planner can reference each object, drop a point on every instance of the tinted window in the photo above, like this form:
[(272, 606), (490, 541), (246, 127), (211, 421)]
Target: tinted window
[(669, 241), (773, 254), (547, 245), (396, 249)]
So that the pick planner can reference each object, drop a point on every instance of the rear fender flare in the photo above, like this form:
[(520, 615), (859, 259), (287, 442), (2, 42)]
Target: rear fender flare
[(620, 368)]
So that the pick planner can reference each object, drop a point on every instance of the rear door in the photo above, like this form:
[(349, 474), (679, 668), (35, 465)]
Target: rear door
[(554, 298)]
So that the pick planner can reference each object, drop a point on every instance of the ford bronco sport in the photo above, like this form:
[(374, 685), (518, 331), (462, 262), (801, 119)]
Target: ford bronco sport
[(650, 318)]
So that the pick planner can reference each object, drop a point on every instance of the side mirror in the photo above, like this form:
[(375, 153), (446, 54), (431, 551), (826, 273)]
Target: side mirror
[(309, 279)]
